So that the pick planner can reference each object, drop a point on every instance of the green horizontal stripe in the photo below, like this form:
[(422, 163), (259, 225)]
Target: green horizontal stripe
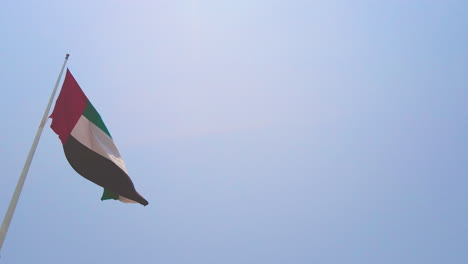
[(92, 115), (109, 195)]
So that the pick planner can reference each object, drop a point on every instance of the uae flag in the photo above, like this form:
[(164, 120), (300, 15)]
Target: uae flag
[(88, 145)]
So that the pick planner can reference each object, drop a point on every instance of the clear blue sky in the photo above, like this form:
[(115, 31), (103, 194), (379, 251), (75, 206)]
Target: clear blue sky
[(259, 131)]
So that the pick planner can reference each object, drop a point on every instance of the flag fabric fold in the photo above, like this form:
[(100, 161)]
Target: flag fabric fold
[(88, 145)]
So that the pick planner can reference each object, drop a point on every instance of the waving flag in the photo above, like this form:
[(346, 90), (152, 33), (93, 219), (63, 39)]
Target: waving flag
[(88, 145)]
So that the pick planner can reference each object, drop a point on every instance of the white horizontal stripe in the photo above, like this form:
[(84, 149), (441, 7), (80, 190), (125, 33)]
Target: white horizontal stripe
[(125, 200), (98, 141)]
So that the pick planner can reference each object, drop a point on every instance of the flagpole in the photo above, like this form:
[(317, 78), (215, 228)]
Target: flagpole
[(27, 163)]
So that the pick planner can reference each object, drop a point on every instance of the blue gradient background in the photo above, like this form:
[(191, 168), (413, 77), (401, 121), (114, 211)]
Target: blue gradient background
[(260, 131)]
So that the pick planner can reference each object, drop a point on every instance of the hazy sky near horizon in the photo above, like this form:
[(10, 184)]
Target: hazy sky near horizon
[(259, 131)]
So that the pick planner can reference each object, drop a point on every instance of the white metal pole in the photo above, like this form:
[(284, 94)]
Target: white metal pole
[(27, 163)]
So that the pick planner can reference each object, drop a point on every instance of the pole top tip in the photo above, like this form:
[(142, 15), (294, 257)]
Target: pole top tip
[(66, 56)]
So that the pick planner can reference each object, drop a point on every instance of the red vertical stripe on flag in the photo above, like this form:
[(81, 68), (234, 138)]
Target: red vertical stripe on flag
[(70, 104)]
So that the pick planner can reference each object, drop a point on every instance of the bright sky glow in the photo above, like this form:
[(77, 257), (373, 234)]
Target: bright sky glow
[(259, 131)]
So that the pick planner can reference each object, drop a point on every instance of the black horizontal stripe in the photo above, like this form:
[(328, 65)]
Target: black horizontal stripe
[(100, 170)]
